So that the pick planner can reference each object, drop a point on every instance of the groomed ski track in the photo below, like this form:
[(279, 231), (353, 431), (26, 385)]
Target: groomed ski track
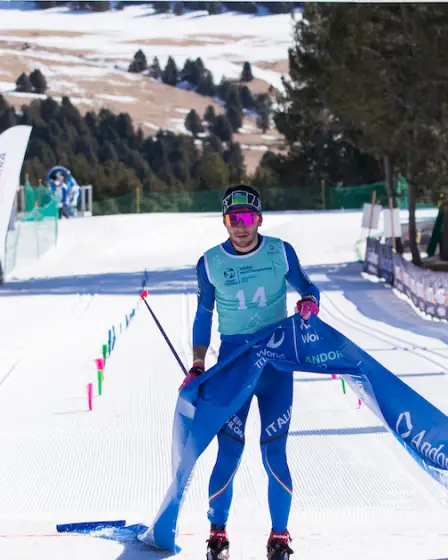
[(357, 492)]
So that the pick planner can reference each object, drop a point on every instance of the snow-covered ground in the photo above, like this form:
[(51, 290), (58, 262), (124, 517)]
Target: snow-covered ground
[(358, 495), (228, 39)]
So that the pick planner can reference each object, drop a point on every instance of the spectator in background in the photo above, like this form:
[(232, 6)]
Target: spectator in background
[(65, 189), (59, 190)]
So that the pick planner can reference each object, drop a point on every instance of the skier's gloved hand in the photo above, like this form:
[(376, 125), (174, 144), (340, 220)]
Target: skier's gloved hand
[(307, 306), (195, 371)]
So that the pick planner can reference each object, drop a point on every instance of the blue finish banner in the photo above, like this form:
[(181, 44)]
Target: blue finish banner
[(293, 344)]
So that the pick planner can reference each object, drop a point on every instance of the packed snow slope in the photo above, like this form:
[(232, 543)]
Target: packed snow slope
[(357, 492)]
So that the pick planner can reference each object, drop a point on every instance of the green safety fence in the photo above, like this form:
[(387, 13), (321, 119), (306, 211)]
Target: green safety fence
[(293, 198), (353, 198), (315, 197), (34, 230)]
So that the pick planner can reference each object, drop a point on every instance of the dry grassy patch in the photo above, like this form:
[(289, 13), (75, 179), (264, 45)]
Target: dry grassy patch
[(280, 66), (189, 40), (29, 33)]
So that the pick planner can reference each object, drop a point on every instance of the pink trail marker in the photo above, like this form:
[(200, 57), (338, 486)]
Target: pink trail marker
[(333, 375), (99, 364), (90, 394), (359, 403)]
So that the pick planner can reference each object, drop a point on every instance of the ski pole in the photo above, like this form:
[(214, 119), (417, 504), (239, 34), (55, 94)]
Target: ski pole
[(143, 295)]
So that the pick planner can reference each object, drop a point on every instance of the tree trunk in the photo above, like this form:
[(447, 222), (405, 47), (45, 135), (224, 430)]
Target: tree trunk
[(391, 194), (388, 180), (444, 240), (416, 257), (410, 176)]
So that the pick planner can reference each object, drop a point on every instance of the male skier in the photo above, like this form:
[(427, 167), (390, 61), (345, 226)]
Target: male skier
[(265, 264)]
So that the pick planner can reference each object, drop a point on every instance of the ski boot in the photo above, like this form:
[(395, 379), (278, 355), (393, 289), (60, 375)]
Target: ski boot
[(278, 546), (218, 544)]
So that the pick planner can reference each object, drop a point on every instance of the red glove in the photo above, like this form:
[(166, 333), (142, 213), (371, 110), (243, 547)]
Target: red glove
[(195, 371), (308, 306)]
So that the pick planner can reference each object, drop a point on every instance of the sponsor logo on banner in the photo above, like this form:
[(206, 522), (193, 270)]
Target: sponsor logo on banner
[(272, 343), (265, 354), (324, 357), (405, 429), (307, 338), (13, 144)]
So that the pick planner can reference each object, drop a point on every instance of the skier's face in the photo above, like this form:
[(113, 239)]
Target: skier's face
[(243, 230)]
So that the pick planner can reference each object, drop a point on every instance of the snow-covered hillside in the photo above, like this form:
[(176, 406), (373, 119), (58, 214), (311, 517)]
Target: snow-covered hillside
[(86, 56)]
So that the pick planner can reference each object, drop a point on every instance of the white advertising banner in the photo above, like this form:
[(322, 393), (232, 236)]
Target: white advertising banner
[(13, 144)]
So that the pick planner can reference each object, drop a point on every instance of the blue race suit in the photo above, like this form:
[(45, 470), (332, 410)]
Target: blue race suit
[(251, 287)]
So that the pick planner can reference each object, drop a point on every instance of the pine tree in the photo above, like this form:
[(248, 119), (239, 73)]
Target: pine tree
[(234, 108), (193, 123), (235, 117), (246, 74), (91, 120), (214, 8), (154, 70), (213, 144), (224, 88), (279, 7), (244, 7), (187, 70), (8, 119), (263, 121), (200, 65), (263, 108), (77, 6), (169, 74), (23, 83), (162, 7), (99, 6), (234, 157), (139, 63), (355, 93), (45, 5), (38, 81), (124, 126), (49, 109), (210, 115), (178, 9), (222, 128), (196, 5), (212, 171), (3, 104), (206, 85), (69, 113), (247, 99)]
